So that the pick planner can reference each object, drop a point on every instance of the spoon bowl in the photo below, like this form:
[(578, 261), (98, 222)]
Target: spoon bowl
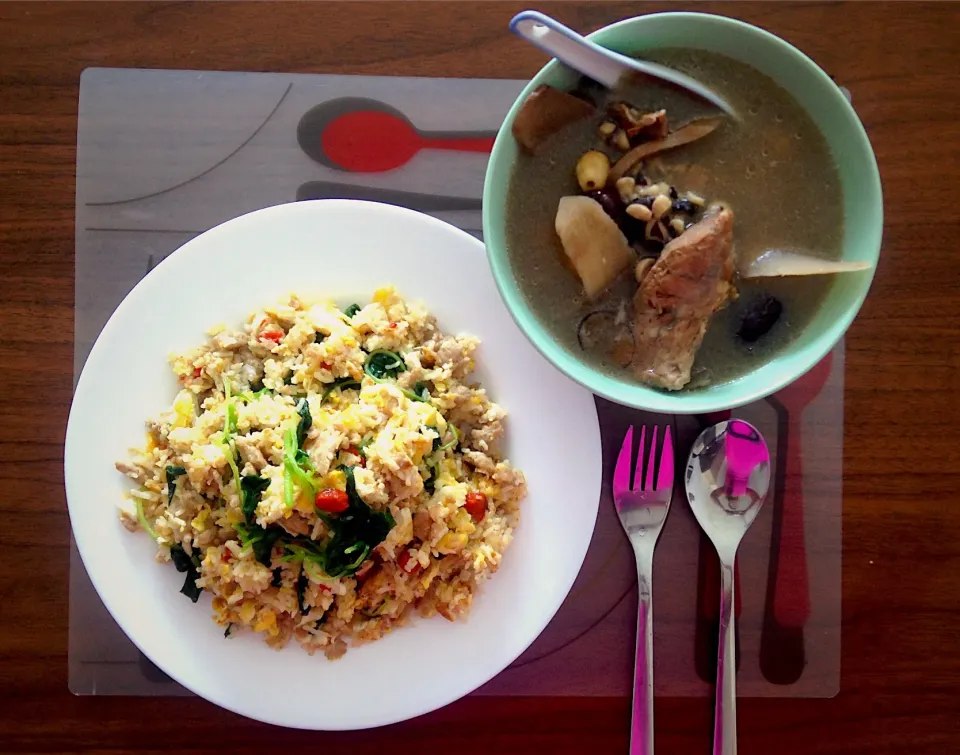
[(727, 480)]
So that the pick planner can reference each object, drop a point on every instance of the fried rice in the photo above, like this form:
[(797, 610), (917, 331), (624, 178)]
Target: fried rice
[(324, 474)]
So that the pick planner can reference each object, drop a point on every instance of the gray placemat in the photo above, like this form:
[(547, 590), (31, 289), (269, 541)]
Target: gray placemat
[(164, 155)]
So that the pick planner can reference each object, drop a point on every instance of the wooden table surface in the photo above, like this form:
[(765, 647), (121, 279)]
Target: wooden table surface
[(900, 686)]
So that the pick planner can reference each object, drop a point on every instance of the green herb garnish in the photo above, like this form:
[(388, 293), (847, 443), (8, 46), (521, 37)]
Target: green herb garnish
[(252, 488), (259, 539), (356, 532), (173, 472), (352, 310), (189, 565), (143, 520), (382, 364), (306, 421), (341, 384), (456, 438), (230, 411), (293, 473), (302, 582)]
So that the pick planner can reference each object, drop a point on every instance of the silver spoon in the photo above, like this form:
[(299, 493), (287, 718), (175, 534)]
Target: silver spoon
[(727, 479), (599, 63)]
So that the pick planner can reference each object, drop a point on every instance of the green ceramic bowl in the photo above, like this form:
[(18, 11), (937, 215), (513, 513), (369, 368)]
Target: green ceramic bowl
[(862, 211)]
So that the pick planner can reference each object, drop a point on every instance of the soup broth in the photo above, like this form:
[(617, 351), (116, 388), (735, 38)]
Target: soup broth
[(772, 168)]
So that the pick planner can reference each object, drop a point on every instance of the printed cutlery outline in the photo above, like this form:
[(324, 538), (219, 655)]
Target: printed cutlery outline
[(787, 605)]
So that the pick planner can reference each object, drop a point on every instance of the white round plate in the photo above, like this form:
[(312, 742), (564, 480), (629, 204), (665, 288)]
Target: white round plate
[(342, 250)]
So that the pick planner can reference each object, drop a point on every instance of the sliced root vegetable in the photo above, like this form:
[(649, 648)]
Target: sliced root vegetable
[(593, 242), (777, 263), (690, 133), (545, 112)]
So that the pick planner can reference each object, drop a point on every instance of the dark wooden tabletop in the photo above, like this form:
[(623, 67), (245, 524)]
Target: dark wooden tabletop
[(900, 686)]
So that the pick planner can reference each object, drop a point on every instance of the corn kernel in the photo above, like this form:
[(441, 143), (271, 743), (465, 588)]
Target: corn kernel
[(463, 522), (452, 542), (199, 522), (304, 504), (335, 479), (266, 621), (247, 611)]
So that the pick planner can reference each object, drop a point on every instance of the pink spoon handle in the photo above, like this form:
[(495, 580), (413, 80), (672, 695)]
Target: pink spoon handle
[(470, 144), (791, 601)]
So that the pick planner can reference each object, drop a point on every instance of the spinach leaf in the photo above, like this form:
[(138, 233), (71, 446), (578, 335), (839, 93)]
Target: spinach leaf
[(342, 384), (259, 539), (356, 532), (226, 632), (306, 421), (382, 364), (173, 472), (352, 310), (190, 566), (303, 459), (430, 481), (302, 582), (420, 392), (264, 547), (252, 488), (277, 577)]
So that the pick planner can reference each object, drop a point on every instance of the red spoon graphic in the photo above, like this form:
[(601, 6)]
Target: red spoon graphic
[(361, 135), (782, 652)]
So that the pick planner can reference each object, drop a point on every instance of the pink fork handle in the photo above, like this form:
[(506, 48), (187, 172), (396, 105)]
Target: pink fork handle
[(641, 725), (791, 598)]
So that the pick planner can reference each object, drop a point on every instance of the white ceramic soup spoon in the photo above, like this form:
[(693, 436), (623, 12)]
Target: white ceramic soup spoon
[(600, 64)]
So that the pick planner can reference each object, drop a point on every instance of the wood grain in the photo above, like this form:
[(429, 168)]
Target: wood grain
[(901, 588)]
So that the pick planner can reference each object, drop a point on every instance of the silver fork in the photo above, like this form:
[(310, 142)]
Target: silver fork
[(643, 509)]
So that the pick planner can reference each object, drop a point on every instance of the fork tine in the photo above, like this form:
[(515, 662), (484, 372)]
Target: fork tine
[(665, 478), (638, 474), (621, 473), (651, 462)]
